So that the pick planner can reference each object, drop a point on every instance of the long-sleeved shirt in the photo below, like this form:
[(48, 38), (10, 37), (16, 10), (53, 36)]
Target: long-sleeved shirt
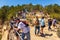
[(24, 29)]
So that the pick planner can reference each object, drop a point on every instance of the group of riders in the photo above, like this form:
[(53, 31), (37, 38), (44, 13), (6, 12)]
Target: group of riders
[(22, 25)]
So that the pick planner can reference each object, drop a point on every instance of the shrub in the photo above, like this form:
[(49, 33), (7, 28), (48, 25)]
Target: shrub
[(55, 15)]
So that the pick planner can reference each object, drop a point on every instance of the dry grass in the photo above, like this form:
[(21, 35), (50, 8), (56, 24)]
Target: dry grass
[(58, 32)]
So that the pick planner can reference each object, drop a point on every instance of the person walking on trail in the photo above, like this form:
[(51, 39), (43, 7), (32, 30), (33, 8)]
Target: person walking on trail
[(54, 22), (19, 14), (49, 23), (42, 23), (16, 26), (11, 23), (37, 27), (23, 15), (24, 26)]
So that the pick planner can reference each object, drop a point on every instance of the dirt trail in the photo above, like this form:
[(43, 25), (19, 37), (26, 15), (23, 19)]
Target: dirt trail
[(5, 35), (49, 35)]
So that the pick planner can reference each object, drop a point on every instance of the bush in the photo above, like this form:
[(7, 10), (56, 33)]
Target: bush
[(58, 32), (55, 15)]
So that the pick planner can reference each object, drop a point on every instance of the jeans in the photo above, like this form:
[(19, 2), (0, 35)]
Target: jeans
[(49, 26), (37, 28), (27, 35)]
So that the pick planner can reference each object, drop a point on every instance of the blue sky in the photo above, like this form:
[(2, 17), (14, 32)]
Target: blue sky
[(20, 2)]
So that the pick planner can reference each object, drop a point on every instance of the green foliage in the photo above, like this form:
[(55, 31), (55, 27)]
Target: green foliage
[(53, 10), (6, 12), (55, 15)]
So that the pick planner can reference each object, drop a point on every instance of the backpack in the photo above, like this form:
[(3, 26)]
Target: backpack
[(37, 22), (26, 24)]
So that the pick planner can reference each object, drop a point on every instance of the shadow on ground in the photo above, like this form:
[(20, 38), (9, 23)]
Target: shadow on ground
[(44, 35)]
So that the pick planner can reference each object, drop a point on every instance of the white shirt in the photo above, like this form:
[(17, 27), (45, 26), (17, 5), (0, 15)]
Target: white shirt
[(22, 26)]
